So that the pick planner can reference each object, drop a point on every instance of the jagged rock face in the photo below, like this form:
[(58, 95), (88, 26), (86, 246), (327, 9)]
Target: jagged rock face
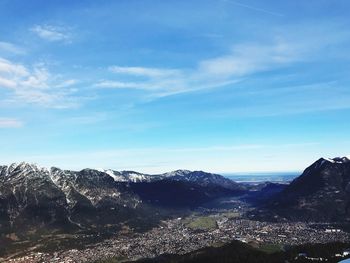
[(132, 176), (89, 185), (203, 179), (198, 177), (321, 193), (27, 192), (32, 196)]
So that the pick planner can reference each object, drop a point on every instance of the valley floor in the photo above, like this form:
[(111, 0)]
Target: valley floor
[(183, 235)]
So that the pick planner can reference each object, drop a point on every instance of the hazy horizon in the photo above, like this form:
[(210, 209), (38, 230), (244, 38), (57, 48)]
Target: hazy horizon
[(229, 173)]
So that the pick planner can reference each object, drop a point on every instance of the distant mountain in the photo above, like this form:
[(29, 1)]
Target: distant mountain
[(321, 193), (197, 177), (32, 197), (203, 179), (183, 188), (132, 176)]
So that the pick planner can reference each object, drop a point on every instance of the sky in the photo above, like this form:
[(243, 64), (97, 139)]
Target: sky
[(153, 85)]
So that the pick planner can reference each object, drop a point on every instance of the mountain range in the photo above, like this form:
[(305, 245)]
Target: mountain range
[(33, 197)]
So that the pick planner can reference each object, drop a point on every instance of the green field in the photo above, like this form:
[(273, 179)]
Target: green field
[(202, 223), (230, 215), (271, 248), (111, 260)]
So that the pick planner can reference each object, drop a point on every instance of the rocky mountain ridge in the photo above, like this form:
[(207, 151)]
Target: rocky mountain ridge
[(31, 195), (198, 177), (321, 193)]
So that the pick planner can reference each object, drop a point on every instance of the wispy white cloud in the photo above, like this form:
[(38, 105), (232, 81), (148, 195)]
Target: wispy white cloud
[(249, 58), (10, 123), (146, 72), (35, 85), (256, 9), (122, 85), (281, 48), (66, 83), (8, 67), (52, 33), (240, 62), (7, 83), (10, 48)]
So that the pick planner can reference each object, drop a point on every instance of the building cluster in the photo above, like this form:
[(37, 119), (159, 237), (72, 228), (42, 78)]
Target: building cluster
[(175, 237)]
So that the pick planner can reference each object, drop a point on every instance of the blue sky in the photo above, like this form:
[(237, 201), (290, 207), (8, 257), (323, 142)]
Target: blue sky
[(153, 86)]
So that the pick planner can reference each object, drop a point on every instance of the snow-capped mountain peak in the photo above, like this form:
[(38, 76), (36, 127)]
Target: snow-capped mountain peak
[(23, 168), (341, 159), (338, 160), (177, 173)]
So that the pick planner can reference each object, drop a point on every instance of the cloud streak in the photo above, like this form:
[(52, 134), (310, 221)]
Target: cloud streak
[(7, 47), (256, 9), (287, 46), (242, 61), (10, 123), (52, 33), (145, 72)]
